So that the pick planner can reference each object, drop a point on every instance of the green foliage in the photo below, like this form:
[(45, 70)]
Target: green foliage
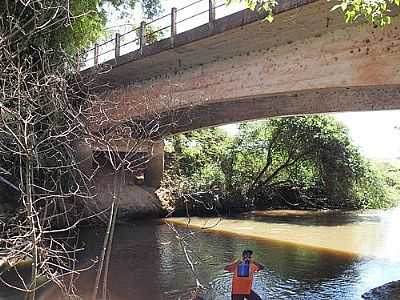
[(152, 34), (389, 173), (375, 11), (197, 158), (371, 190), (90, 19), (307, 151), (263, 6), (85, 25), (313, 153)]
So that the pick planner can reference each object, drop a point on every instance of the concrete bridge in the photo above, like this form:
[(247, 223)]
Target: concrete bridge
[(241, 68)]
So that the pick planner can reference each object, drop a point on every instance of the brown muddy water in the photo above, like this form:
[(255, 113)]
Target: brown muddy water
[(148, 261)]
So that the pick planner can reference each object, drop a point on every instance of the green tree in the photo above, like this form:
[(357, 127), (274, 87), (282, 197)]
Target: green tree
[(83, 21), (311, 159), (197, 158), (308, 152)]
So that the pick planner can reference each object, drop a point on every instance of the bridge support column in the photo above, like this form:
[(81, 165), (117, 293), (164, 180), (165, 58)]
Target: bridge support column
[(84, 157), (155, 168)]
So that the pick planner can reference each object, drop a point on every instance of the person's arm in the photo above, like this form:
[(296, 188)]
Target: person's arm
[(231, 267), (259, 266)]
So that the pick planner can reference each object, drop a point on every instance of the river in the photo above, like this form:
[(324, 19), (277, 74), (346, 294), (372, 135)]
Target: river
[(307, 255)]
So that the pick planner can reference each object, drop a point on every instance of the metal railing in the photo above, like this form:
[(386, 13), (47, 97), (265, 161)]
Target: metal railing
[(164, 27)]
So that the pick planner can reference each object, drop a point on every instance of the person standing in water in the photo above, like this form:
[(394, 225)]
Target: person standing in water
[(243, 272)]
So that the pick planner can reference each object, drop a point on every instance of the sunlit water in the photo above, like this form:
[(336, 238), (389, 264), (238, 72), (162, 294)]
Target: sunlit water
[(368, 233), (148, 261)]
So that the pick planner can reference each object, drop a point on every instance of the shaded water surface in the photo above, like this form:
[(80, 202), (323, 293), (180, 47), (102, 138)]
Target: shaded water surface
[(148, 261)]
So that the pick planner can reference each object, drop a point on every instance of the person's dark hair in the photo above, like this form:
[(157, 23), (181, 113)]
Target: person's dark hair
[(247, 251)]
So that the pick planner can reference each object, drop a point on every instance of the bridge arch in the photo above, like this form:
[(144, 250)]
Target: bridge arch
[(307, 61), (289, 68)]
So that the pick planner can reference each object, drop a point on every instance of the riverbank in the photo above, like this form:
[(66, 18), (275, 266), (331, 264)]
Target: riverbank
[(366, 239), (216, 202)]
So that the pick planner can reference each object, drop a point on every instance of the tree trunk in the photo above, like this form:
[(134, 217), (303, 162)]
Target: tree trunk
[(120, 175), (32, 223), (107, 243)]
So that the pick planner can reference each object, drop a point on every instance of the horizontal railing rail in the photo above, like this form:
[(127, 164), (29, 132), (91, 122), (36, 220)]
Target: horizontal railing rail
[(163, 27)]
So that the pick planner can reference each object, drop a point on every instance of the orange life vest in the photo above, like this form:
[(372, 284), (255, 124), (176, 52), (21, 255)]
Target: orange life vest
[(242, 280)]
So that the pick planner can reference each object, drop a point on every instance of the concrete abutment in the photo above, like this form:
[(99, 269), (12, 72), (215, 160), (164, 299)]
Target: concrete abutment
[(136, 199), (154, 171)]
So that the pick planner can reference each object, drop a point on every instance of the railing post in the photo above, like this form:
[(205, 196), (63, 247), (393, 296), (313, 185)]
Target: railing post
[(211, 13), (174, 12), (96, 54), (117, 45), (142, 36)]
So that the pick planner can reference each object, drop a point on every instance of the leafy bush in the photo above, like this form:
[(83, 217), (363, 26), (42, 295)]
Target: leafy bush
[(313, 156)]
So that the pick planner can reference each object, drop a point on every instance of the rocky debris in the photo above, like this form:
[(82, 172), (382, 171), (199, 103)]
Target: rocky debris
[(388, 291), (195, 204), (166, 199)]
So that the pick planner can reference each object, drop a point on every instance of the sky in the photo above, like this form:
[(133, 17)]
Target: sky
[(188, 17), (374, 132), (196, 15)]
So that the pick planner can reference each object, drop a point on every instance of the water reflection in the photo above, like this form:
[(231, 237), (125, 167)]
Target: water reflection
[(135, 263), (290, 271), (17, 278), (315, 218)]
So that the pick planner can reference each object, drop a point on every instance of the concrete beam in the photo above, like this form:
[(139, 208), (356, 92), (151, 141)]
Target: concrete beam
[(124, 145), (154, 170), (302, 103), (340, 59), (84, 157)]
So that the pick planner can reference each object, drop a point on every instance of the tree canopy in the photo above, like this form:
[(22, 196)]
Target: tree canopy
[(310, 156), (83, 21)]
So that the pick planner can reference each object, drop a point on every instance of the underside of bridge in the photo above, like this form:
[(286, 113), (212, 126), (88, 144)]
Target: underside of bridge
[(242, 68), (307, 61)]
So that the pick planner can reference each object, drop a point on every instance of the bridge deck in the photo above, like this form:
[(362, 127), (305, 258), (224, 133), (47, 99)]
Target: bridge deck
[(230, 36), (307, 61)]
